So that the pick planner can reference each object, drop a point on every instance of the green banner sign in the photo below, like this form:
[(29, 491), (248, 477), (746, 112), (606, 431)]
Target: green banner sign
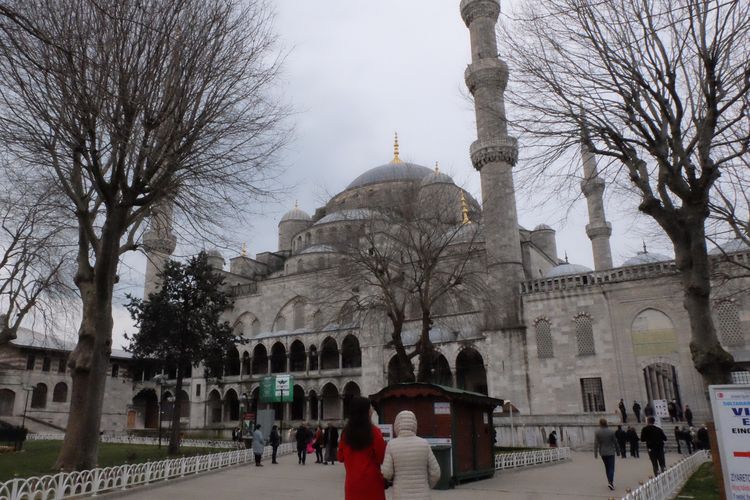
[(277, 389)]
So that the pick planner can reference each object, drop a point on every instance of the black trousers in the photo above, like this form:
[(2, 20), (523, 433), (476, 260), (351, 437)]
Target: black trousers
[(257, 458), (318, 454), (273, 453), (623, 449), (657, 460), (634, 449), (301, 455)]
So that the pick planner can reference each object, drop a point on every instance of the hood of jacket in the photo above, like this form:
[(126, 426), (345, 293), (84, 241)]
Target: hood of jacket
[(405, 424)]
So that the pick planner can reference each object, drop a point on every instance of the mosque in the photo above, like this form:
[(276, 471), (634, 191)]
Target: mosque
[(561, 342)]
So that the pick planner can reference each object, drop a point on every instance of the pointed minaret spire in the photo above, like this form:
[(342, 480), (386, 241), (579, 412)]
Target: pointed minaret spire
[(464, 210), (592, 186), (396, 159), (243, 252), (644, 247), (437, 170)]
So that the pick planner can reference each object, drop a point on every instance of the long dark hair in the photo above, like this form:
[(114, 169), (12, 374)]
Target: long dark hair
[(358, 429)]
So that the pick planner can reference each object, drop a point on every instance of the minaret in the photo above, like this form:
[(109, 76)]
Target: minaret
[(159, 242), (494, 154), (598, 229)]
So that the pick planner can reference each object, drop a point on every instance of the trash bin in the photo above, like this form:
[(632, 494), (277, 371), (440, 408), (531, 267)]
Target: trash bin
[(443, 456)]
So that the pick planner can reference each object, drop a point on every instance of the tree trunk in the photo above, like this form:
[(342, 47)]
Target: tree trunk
[(691, 257), (404, 367), (174, 437), (90, 359), (427, 354)]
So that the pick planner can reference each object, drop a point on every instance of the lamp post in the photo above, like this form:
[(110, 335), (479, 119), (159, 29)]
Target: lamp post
[(512, 432), (159, 380), (28, 389), (244, 408)]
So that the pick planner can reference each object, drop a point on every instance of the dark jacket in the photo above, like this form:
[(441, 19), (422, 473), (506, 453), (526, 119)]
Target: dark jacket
[(303, 437), (332, 437), (274, 439), (654, 437), (636, 408), (621, 436), (632, 436), (552, 440)]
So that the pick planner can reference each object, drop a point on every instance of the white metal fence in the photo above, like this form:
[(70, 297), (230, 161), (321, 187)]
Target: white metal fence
[(530, 458), (122, 477), (668, 483), (126, 439)]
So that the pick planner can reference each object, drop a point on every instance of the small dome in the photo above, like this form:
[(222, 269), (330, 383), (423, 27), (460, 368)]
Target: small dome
[(391, 172), (566, 269), (732, 246), (295, 214), (318, 249), (543, 227), (346, 215), (645, 257), (214, 252), (436, 177)]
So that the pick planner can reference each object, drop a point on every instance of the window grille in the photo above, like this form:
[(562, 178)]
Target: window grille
[(592, 394), (584, 335), (741, 377), (544, 339), (730, 328)]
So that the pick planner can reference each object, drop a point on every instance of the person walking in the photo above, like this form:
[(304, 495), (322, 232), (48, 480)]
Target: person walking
[(318, 443), (678, 438), (605, 445), (552, 439), (634, 443), (654, 438), (274, 439), (688, 438), (409, 461), (672, 410), (331, 437), (361, 450), (689, 416), (648, 411), (303, 438), (622, 438), (259, 443), (637, 411), (623, 411), (703, 441)]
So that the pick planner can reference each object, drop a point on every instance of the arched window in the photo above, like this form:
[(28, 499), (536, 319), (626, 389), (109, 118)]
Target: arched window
[(246, 363), (544, 347), (313, 358), (730, 328), (317, 320), (7, 402), (278, 358), (184, 404), (231, 406), (260, 360), (442, 372), (255, 327), (297, 357), (280, 324), (350, 390), (329, 354), (584, 335), (331, 403), (298, 403), (314, 406), (351, 355), (300, 266), (298, 313), (232, 363), (471, 374), (60, 393), (39, 396)]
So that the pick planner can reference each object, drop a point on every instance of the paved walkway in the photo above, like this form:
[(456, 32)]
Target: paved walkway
[(581, 478)]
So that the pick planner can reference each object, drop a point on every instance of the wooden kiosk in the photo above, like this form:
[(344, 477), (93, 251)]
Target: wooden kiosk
[(450, 417)]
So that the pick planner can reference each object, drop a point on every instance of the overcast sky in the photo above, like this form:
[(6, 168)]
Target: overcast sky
[(357, 71)]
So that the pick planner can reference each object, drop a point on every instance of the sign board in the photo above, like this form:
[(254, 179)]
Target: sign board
[(387, 431), (441, 408), (661, 408), (731, 408), (277, 389), (249, 417)]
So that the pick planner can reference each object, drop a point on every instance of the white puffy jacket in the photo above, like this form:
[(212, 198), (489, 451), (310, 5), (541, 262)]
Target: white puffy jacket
[(409, 461)]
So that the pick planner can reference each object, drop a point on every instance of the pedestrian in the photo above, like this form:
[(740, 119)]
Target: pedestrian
[(678, 408), (654, 438), (623, 412), (318, 443), (409, 461), (688, 438), (332, 444), (678, 438), (634, 443), (259, 443), (622, 438), (672, 410), (361, 450), (605, 444), (274, 440), (552, 439), (637, 411), (689, 416), (648, 411), (302, 437), (703, 442)]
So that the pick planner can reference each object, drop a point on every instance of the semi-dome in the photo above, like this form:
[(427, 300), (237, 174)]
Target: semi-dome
[(346, 215), (543, 227), (732, 246), (318, 249), (645, 257), (566, 269), (436, 177), (295, 214)]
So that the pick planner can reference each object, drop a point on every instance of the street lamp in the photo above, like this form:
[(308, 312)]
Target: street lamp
[(512, 433), (28, 389), (159, 380)]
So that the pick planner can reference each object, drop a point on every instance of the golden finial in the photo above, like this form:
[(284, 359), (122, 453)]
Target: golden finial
[(396, 159), (244, 250), (464, 209), (437, 168), (296, 204)]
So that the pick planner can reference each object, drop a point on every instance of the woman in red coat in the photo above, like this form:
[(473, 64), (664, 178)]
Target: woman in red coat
[(362, 450)]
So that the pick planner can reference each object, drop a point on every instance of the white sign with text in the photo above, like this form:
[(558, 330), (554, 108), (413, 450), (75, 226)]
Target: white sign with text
[(731, 409)]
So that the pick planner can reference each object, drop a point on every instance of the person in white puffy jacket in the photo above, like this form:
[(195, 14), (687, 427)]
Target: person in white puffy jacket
[(409, 461)]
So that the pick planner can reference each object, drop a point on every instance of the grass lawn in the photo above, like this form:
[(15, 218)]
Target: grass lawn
[(38, 457), (701, 485)]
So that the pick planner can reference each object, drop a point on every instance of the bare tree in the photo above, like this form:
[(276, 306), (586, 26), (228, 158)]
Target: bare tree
[(408, 260), (660, 91), (34, 264), (134, 104)]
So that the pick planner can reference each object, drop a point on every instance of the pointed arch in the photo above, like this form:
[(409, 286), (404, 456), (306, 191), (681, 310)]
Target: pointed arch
[(331, 407), (213, 407), (313, 359), (329, 354), (232, 363), (351, 389), (298, 403), (471, 374), (231, 406), (351, 355), (297, 357), (260, 360), (243, 325), (313, 396), (60, 393)]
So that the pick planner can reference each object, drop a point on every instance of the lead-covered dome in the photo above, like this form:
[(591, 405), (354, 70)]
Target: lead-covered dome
[(567, 269), (731, 246), (645, 257), (391, 172), (295, 214)]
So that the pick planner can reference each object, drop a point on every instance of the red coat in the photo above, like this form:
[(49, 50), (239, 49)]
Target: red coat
[(363, 478)]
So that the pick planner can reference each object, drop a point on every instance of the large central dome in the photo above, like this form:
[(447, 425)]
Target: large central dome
[(391, 172)]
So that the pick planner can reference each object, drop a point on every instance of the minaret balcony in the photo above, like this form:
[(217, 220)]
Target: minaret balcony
[(487, 72), (599, 230), (501, 149), (473, 9)]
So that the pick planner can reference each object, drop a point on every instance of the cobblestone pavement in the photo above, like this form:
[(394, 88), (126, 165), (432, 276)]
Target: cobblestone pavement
[(580, 478)]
